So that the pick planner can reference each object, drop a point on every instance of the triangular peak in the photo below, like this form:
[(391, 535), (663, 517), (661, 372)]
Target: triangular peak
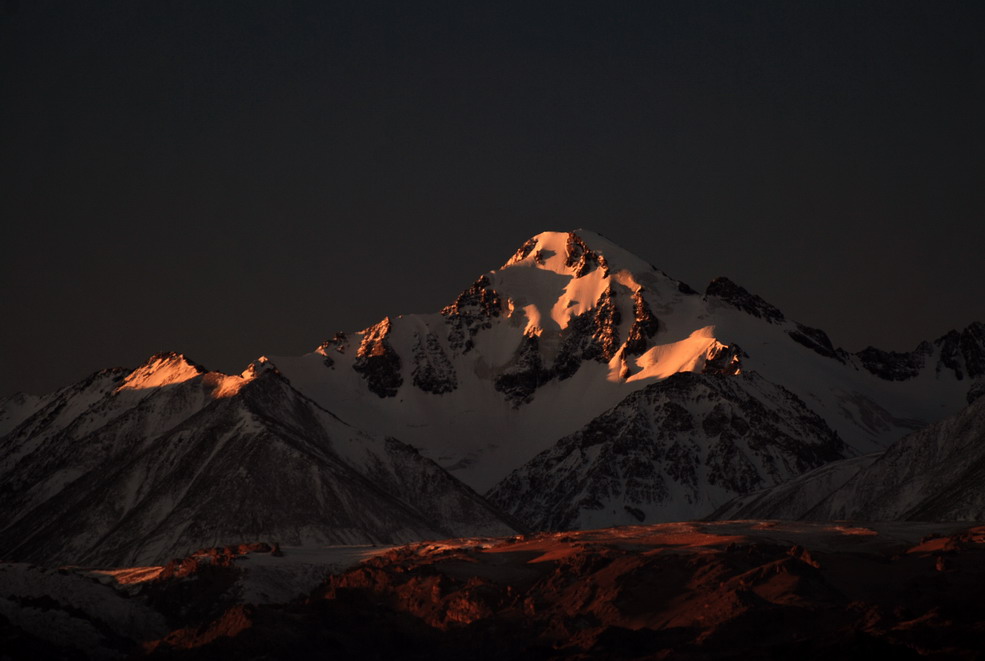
[(162, 369), (577, 253)]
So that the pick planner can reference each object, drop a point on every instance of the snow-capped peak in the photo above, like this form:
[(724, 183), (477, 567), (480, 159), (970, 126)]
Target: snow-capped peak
[(557, 276), (227, 385), (576, 253), (162, 369)]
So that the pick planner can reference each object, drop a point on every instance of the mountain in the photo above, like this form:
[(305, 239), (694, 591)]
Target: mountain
[(675, 448), (533, 353), (576, 385), (935, 474), (138, 467)]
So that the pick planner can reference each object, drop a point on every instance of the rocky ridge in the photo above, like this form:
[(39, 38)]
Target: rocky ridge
[(205, 461), (935, 474), (672, 451)]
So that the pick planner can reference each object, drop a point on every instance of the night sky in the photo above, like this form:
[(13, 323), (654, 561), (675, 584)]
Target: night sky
[(246, 178)]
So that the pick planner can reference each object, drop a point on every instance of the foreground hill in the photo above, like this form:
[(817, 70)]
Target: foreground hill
[(736, 590)]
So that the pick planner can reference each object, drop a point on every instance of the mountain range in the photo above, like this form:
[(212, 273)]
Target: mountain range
[(576, 386), (934, 474)]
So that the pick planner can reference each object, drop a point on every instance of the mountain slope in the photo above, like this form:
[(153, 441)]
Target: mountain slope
[(111, 413), (672, 451), (253, 461), (935, 474)]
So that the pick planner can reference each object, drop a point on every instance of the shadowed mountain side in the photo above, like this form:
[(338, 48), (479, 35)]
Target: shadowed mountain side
[(265, 463), (672, 451), (935, 474)]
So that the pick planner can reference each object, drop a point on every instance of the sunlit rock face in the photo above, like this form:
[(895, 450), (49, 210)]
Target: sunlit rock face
[(645, 325), (473, 311), (377, 362)]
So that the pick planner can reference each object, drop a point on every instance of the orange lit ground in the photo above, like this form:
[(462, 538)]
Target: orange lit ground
[(722, 590), (690, 590)]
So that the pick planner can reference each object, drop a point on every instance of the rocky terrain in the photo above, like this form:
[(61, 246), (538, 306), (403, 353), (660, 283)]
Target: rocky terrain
[(730, 590)]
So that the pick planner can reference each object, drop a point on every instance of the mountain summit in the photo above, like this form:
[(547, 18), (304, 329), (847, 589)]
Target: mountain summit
[(567, 328)]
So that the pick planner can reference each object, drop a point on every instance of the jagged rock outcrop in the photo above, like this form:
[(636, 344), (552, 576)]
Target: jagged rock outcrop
[(577, 342), (605, 332), (894, 365), (523, 251), (738, 297), (962, 353), (817, 341), (472, 311), (592, 335), (581, 258), (525, 374), (432, 371), (339, 343), (725, 359), (645, 325), (377, 362)]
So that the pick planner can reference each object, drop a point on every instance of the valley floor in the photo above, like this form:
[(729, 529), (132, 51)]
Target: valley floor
[(693, 590)]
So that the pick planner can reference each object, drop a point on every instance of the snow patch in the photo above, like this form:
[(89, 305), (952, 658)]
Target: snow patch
[(687, 355), (161, 370)]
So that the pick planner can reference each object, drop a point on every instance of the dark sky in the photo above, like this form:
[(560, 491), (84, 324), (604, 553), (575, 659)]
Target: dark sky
[(245, 178)]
